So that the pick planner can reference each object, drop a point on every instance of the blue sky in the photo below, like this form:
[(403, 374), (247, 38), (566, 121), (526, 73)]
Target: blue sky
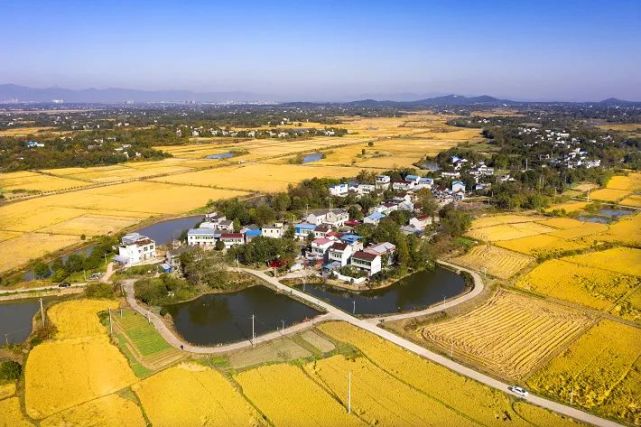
[(329, 50)]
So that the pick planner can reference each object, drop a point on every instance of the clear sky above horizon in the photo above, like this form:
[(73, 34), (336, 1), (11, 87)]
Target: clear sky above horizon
[(329, 50)]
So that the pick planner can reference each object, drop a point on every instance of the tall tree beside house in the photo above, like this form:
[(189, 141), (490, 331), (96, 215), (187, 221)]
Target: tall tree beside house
[(426, 202), (454, 221), (263, 215), (402, 253)]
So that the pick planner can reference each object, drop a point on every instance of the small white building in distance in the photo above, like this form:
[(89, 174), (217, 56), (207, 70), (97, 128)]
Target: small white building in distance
[(203, 237), (274, 231), (135, 248)]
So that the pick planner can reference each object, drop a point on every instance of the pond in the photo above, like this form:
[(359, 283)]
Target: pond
[(606, 215), (415, 292), (225, 318), (16, 319), (165, 231), (313, 157), (220, 156)]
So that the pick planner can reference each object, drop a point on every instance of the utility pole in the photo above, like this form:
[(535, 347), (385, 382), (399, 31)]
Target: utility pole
[(6, 339), (253, 329), (111, 326), (354, 309), (148, 319), (42, 313), (349, 392)]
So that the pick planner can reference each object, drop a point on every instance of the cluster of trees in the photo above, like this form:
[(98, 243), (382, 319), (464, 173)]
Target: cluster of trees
[(165, 289), (264, 249), (60, 268), (83, 149)]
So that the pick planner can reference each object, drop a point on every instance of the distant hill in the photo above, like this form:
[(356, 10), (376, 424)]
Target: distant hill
[(13, 93), (16, 93)]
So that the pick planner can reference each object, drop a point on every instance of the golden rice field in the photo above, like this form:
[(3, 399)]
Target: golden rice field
[(258, 177), (493, 260), (190, 395), (476, 401), (626, 231), (7, 390), (35, 181), (589, 286), (633, 200), (608, 195), (61, 219), (108, 411), (600, 372), (286, 396), (630, 182), (543, 244), (501, 219), (78, 318), (568, 207), (617, 260), (511, 231), (510, 335), (20, 250), (378, 398), (11, 415), (79, 365)]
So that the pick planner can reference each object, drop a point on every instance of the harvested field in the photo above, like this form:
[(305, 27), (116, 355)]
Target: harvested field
[(378, 397), (107, 411), (589, 286), (286, 395), (191, 395), (599, 372), (34, 181), (476, 401), (508, 231), (618, 260), (280, 350), (510, 335), (91, 225), (317, 341), (495, 261)]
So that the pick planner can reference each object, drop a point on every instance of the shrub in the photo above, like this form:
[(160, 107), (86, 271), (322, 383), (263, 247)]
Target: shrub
[(10, 370), (99, 290)]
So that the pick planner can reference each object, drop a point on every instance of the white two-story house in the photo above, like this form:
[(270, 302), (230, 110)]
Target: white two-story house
[(135, 248)]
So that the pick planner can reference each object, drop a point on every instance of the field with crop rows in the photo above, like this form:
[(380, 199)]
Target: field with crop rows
[(589, 286), (191, 394), (617, 260), (600, 372), (510, 335), (495, 261), (475, 401), (510, 231), (286, 396)]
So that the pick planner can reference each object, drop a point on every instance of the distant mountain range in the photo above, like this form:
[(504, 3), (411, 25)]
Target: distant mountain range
[(10, 93)]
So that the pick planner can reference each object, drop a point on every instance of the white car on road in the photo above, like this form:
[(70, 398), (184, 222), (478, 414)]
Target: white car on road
[(519, 391)]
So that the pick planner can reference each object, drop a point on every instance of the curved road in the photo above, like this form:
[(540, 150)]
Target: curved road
[(334, 313)]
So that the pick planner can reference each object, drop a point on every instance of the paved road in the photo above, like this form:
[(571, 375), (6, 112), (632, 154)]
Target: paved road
[(434, 357), (41, 288), (336, 314)]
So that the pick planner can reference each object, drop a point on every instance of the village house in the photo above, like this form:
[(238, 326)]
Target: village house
[(458, 186), (420, 222), (232, 239), (368, 262), (275, 231), (302, 230), (135, 248), (333, 217), (250, 232), (339, 190), (339, 252), (203, 237), (374, 218), (322, 230), (384, 249), (382, 182), (319, 247)]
